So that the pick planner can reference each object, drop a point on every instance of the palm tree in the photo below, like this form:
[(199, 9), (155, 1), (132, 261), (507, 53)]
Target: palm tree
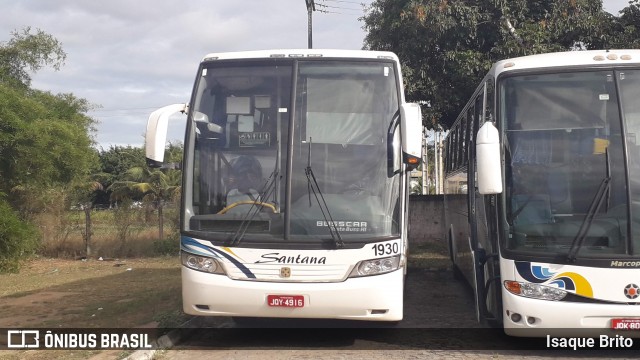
[(154, 186)]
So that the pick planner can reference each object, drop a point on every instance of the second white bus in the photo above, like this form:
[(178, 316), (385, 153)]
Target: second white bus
[(542, 198)]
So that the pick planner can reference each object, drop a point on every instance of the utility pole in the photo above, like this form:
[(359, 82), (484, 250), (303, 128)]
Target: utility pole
[(311, 7)]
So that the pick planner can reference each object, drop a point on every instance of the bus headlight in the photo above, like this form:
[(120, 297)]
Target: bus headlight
[(201, 263), (376, 266), (535, 291)]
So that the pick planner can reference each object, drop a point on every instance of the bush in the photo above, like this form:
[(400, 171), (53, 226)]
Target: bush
[(18, 239), (168, 246)]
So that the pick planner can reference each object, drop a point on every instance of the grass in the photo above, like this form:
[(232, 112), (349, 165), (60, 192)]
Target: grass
[(125, 293), (133, 233), (92, 293), (55, 293)]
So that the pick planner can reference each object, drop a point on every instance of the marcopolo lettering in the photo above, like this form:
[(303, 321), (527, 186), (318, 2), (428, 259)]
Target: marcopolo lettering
[(617, 263)]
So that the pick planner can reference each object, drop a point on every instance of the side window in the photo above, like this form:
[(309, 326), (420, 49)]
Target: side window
[(454, 147), (479, 106), (447, 158), (463, 141), (489, 101), (471, 129)]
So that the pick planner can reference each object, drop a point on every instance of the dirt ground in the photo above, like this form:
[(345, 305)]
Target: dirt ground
[(134, 293), (91, 293)]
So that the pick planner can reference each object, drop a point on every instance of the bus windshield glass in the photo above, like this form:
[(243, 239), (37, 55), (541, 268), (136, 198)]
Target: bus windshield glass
[(569, 184), (284, 150)]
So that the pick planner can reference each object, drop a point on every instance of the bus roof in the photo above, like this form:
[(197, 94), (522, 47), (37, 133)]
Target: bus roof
[(299, 53), (569, 59)]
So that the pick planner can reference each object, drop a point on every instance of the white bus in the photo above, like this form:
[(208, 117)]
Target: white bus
[(542, 200), (295, 176)]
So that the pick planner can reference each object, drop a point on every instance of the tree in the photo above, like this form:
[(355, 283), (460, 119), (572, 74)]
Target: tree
[(155, 186), (114, 163), (83, 193), (627, 26), (17, 238), (45, 139), (26, 51), (446, 46)]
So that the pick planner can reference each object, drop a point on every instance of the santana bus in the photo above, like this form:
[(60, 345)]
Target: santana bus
[(295, 176), (542, 198)]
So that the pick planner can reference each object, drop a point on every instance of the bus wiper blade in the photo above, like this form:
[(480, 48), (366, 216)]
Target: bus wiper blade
[(594, 207), (265, 193), (312, 184), (588, 219)]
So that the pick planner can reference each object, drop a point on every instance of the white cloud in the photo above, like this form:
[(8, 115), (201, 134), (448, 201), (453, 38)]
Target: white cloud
[(143, 54)]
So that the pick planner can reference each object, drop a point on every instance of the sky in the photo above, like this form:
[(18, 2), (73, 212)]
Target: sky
[(128, 58)]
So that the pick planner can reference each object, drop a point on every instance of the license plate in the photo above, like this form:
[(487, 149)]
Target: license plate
[(625, 324), (285, 300)]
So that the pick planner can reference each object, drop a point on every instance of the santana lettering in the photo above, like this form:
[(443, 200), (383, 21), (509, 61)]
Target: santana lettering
[(294, 259)]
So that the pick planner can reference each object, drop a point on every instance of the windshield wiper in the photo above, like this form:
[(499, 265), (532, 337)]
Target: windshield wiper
[(266, 192), (312, 186), (594, 207)]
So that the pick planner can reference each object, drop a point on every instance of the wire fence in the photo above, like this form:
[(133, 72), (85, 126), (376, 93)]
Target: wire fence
[(122, 232)]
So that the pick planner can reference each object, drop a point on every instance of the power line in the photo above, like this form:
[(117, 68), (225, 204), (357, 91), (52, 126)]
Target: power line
[(336, 7), (329, 9), (335, 12), (345, 1), (129, 109)]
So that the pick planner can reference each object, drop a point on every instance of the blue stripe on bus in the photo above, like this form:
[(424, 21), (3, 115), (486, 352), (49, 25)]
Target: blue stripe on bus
[(188, 244)]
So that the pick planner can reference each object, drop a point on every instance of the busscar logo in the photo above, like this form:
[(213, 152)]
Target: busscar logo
[(23, 339)]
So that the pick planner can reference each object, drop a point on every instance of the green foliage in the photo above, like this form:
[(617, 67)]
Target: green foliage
[(44, 139), (447, 46), (152, 185), (627, 26), (116, 160), (168, 246), (18, 239), (45, 143), (27, 51)]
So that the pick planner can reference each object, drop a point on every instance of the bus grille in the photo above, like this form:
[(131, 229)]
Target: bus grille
[(295, 272)]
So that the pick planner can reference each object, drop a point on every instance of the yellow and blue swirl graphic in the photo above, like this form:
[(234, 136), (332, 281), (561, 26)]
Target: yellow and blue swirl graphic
[(569, 281)]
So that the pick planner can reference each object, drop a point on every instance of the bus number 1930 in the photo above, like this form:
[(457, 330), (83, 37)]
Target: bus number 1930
[(385, 249)]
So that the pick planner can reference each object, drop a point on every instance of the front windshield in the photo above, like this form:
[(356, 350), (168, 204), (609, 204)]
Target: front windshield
[(629, 84), (247, 175), (563, 142), (237, 129), (348, 108)]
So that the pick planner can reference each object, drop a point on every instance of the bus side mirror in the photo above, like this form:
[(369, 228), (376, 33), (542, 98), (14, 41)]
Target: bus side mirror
[(411, 117), (488, 160), (156, 135)]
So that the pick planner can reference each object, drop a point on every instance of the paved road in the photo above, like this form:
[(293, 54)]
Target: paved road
[(439, 323)]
